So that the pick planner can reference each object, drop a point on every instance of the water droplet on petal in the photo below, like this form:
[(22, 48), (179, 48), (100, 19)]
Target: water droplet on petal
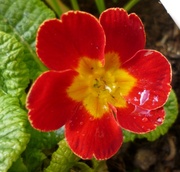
[(148, 53), (159, 120), (71, 123), (144, 96), (91, 118), (135, 99), (144, 119), (99, 133), (155, 99), (81, 123)]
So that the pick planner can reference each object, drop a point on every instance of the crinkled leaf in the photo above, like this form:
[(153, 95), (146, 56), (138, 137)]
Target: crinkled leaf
[(97, 166), (18, 166), (13, 134), (63, 159), (14, 75), (128, 136), (33, 158), (22, 18), (171, 109), (84, 167), (44, 140), (40, 145)]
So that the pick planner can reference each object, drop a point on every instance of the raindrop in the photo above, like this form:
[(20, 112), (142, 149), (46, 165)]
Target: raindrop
[(135, 99), (81, 123), (101, 134), (91, 119), (148, 53), (144, 119), (71, 123), (159, 120), (144, 96), (155, 99)]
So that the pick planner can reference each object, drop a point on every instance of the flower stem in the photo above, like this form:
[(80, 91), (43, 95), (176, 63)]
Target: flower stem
[(130, 4), (75, 4), (58, 7), (55, 6), (100, 5), (99, 166), (42, 67)]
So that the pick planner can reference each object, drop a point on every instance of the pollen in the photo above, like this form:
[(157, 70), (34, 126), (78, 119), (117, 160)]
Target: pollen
[(100, 87)]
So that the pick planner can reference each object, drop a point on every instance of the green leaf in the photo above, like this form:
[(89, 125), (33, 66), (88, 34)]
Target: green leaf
[(22, 18), (99, 166), (128, 136), (40, 145), (13, 134), (18, 166), (14, 75), (63, 159), (33, 158), (171, 109), (44, 140), (84, 167)]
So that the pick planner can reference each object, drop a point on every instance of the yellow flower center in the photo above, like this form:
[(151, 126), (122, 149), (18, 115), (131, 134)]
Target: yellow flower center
[(98, 87)]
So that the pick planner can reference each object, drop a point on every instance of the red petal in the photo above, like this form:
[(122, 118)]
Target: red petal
[(61, 43), (124, 33), (88, 137), (138, 120), (48, 104), (153, 73)]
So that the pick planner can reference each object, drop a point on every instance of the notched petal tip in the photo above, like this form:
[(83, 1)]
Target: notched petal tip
[(90, 137), (125, 33), (78, 34)]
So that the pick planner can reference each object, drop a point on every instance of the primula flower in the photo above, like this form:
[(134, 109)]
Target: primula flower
[(100, 80)]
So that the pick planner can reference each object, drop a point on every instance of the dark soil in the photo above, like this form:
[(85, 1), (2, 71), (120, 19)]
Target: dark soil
[(162, 155)]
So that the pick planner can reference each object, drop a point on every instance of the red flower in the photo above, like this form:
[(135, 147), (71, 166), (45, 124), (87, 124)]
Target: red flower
[(101, 79)]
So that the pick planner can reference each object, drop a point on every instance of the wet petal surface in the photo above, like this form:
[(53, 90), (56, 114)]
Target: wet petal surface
[(88, 136), (153, 74), (138, 120)]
